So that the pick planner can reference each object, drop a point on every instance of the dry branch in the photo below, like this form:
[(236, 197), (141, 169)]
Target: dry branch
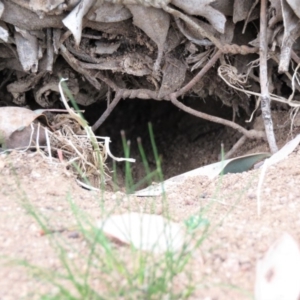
[(109, 109), (236, 146), (251, 134), (265, 96), (202, 72)]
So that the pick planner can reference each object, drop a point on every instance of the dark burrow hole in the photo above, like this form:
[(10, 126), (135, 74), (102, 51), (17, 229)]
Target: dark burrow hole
[(184, 142)]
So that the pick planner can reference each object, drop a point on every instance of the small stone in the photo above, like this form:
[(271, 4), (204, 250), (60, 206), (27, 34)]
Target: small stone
[(73, 235)]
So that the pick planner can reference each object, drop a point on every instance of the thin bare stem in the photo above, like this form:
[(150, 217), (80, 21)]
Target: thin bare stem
[(202, 72), (295, 57), (109, 109), (249, 14), (50, 51), (251, 134), (265, 96), (236, 146)]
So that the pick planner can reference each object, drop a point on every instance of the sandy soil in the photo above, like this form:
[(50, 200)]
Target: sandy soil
[(224, 265)]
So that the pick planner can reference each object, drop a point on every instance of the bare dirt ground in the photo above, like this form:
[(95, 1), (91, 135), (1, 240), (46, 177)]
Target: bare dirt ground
[(224, 265)]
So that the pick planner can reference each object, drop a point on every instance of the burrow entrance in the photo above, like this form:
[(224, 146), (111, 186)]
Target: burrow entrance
[(184, 142)]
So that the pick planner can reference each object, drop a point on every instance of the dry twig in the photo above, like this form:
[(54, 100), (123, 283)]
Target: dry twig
[(265, 97), (202, 72), (109, 109), (251, 134)]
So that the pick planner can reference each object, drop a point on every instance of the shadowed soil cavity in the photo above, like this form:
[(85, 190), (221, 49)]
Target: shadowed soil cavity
[(184, 142)]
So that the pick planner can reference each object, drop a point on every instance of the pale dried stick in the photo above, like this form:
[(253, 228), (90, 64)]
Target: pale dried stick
[(263, 72)]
